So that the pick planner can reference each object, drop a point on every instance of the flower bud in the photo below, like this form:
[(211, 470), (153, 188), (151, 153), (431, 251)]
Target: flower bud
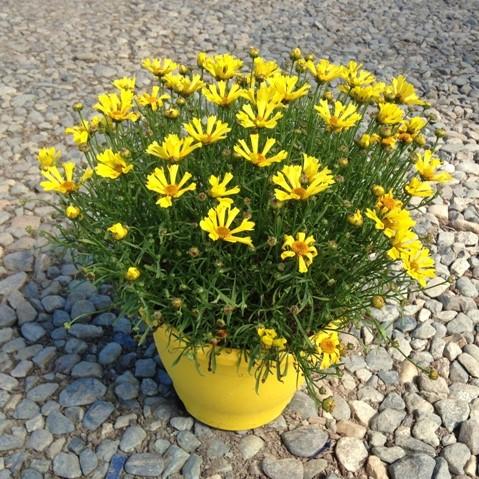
[(328, 95), (294, 310), (420, 140), (183, 69), (343, 162), (78, 106), (300, 65), (440, 133), (202, 196), (378, 302), (253, 52), (433, 374), (328, 404), (332, 244), (72, 212), (309, 57), (295, 54), (201, 59), (181, 101), (194, 252), (272, 241), (377, 190), (171, 113), (229, 309), (176, 303), (331, 282)]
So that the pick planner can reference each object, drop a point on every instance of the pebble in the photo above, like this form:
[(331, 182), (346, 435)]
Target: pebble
[(417, 466), (82, 392), (145, 464), (66, 465), (132, 438), (305, 441), (387, 420), (175, 458), (469, 435), (302, 406), (249, 446), (192, 467), (109, 354), (97, 414), (32, 332), (59, 424), (456, 456), (351, 453), (283, 468), (88, 461)]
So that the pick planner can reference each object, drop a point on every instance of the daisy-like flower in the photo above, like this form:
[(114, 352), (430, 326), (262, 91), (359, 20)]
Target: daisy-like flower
[(72, 212), (356, 75), (427, 165), (366, 140), (159, 66), (125, 83), (218, 225), (60, 183), (222, 67), (392, 222), (168, 190), (324, 71), (173, 148), (401, 91), (269, 338), (132, 273), (260, 113), (403, 242), (300, 248), (389, 114), (153, 100), (413, 125), (386, 202), (416, 187), (219, 189), (184, 85), (419, 265), (118, 231), (219, 93), (117, 107), (343, 117), (367, 94), (80, 133), (263, 69), (257, 157), (297, 185), (216, 130), (329, 346), (285, 87), (48, 157), (356, 219), (111, 165)]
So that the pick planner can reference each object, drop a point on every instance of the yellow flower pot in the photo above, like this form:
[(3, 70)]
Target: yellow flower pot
[(227, 398)]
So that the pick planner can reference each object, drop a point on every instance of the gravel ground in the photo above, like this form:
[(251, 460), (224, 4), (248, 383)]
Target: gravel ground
[(89, 403)]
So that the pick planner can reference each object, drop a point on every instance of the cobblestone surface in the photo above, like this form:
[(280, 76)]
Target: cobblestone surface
[(88, 401)]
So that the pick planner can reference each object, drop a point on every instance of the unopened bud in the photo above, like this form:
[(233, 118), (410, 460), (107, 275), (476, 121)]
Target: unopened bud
[(78, 106), (176, 303), (171, 113), (440, 133), (377, 190), (295, 54), (433, 374), (194, 252), (253, 52), (328, 404), (343, 162), (377, 302)]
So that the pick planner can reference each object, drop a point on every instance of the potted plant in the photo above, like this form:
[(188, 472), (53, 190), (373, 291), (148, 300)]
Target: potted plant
[(248, 214)]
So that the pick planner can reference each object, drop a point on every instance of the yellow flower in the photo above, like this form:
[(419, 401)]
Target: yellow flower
[(57, 182), (259, 158), (223, 67), (403, 242), (324, 71), (427, 164), (297, 185), (356, 219), (80, 132), (219, 189), (416, 187), (264, 100), (311, 167), (118, 231), (301, 248), (419, 265), (125, 83), (216, 130), (72, 212), (329, 347), (132, 273), (219, 94), (159, 66), (201, 59), (184, 85), (157, 181), (218, 222), (401, 91), (389, 114), (367, 94), (263, 69), (392, 222), (111, 165), (367, 140), (152, 99), (285, 87), (343, 118), (173, 148), (48, 157), (355, 75), (386, 202), (269, 338), (117, 107), (413, 126)]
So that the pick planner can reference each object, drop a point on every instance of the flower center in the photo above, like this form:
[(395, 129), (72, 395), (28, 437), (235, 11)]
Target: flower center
[(222, 231), (327, 346), (69, 186), (171, 190), (300, 248), (259, 158), (301, 192)]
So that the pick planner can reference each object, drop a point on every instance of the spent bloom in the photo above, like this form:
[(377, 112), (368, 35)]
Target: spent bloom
[(302, 248)]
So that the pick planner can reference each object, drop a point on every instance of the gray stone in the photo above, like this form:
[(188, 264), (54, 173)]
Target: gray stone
[(470, 363), (85, 369), (82, 392), (5, 335), (174, 458), (217, 448), (351, 453), (109, 354), (389, 454), (43, 358), (387, 421), (145, 464), (59, 424), (460, 324), (53, 302), (86, 331), (64, 364), (392, 401), (19, 261), (314, 468), (192, 467), (126, 391), (464, 392), (456, 456), (12, 283), (469, 435), (42, 392), (145, 368), (433, 389), (187, 441), (436, 286), (7, 316), (341, 410), (303, 406), (417, 466), (182, 423), (106, 449), (32, 332), (250, 445), (25, 311), (66, 465), (425, 430), (162, 445), (149, 387), (88, 461), (97, 414), (132, 438), (378, 359), (442, 469), (40, 440), (283, 468), (9, 442), (22, 369), (414, 446), (466, 287), (7, 383), (306, 441), (26, 409), (31, 474)]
